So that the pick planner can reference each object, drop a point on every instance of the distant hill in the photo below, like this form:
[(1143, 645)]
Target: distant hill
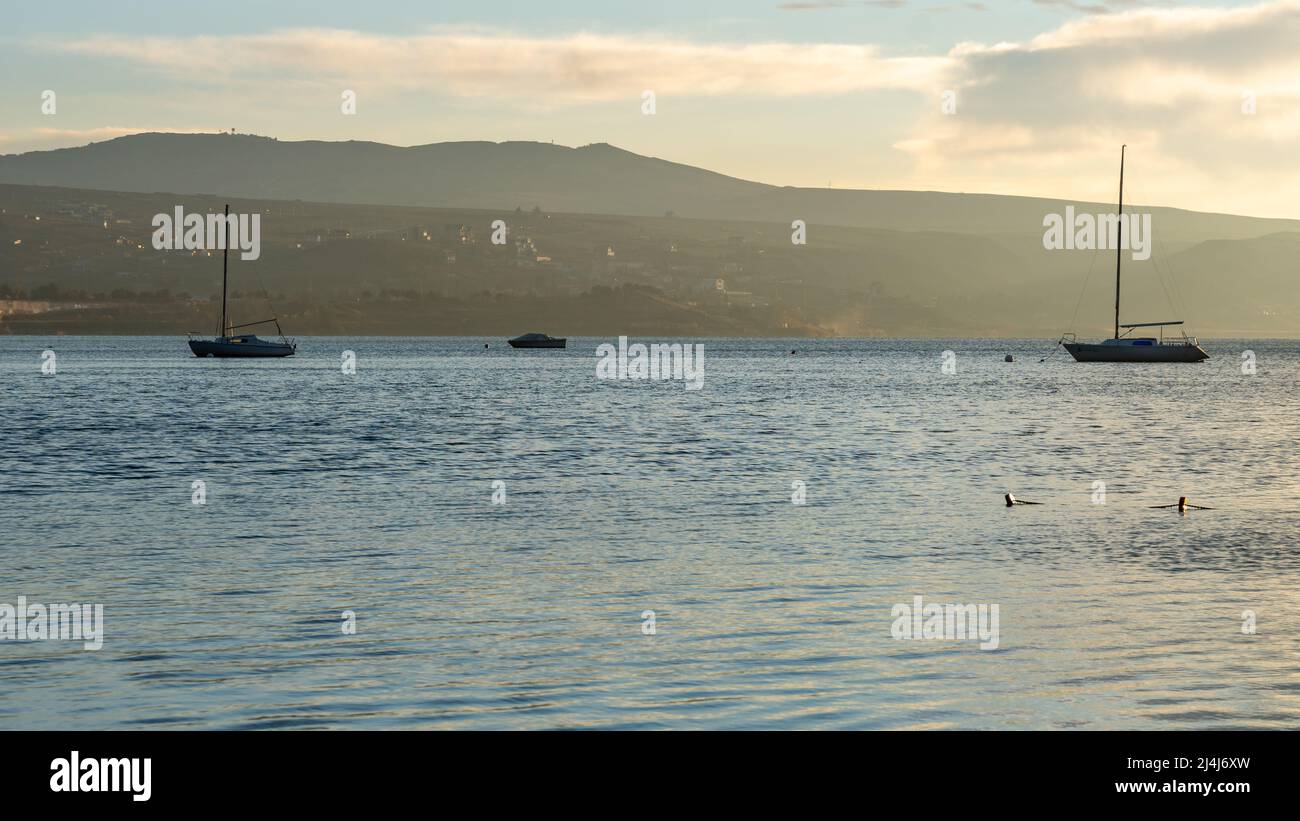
[(593, 179), (376, 238)]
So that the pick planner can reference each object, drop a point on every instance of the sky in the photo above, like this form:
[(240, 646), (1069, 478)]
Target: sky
[(1030, 97)]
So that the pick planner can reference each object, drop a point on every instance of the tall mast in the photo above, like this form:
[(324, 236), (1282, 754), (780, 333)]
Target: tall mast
[(1119, 241), (225, 256)]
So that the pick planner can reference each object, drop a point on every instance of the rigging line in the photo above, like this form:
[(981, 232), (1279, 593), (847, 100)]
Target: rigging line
[(1161, 276), (1077, 304), (1086, 280), (1159, 262), (1173, 281), (267, 296)]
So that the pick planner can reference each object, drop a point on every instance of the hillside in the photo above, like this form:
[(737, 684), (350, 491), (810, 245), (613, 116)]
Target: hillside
[(593, 179), (385, 239)]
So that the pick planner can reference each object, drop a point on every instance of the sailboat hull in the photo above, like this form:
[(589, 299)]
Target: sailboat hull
[(1083, 352), (243, 349)]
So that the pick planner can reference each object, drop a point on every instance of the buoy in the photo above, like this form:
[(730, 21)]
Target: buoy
[(485, 345), (1009, 358)]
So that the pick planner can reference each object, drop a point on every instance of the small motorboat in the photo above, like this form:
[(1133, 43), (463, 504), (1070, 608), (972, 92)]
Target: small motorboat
[(537, 341)]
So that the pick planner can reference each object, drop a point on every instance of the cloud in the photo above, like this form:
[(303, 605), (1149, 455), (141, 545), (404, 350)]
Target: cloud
[(1172, 83), (839, 4), (1045, 116), (574, 69), (1097, 7), (822, 5)]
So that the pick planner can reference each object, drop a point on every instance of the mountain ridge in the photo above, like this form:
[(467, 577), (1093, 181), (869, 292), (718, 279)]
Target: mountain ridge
[(597, 178), (361, 222)]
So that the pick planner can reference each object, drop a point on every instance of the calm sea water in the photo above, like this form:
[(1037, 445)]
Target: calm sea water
[(373, 493)]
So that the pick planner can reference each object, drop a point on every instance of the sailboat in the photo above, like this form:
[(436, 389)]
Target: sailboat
[(227, 342), (1125, 348)]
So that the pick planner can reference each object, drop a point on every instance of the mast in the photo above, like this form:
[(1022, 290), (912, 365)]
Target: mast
[(1119, 240), (225, 256)]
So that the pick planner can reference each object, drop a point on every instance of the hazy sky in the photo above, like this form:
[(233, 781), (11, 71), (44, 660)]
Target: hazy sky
[(848, 94)]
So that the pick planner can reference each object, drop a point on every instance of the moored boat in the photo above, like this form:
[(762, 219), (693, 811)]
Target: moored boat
[(1122, 347), (1136, 349), (248, 345), (537, 341), (227, 343)]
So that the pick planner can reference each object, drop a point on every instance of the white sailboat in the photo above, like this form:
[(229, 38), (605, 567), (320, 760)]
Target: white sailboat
[(1123, 347)]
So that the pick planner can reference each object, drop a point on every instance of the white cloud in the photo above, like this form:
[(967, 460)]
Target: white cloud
[(1048, 116), (1043, 117), (575, 69)]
